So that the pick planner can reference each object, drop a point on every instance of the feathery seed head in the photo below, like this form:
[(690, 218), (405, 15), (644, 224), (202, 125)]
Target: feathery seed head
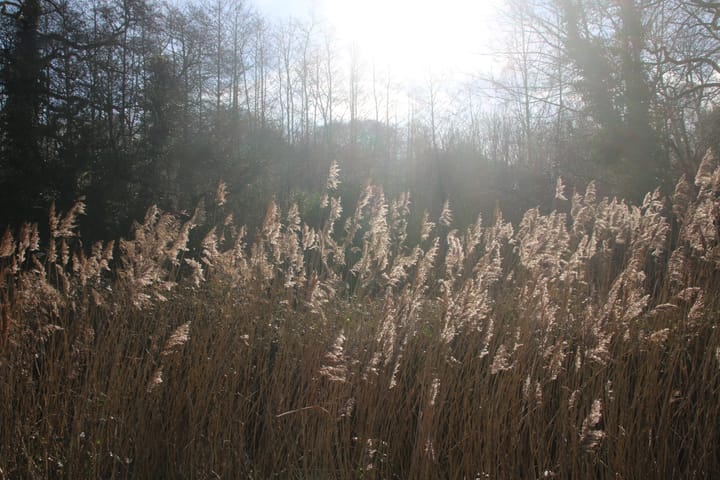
[(708, 165), (178, 338), (446, 214), (220, 194), (560, 190), (7, 244), (592, 435), (427, 226), (333, 180)]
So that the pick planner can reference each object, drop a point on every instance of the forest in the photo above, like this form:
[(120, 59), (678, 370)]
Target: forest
[(136, 102), (234, 246)]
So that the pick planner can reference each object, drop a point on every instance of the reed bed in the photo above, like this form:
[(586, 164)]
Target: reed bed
[(581, 343)]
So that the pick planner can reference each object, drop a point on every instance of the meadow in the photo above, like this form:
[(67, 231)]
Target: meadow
[(580, 343)]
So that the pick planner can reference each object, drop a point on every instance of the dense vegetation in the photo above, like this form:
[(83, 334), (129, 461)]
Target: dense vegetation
[(582, 343), (570, 330)]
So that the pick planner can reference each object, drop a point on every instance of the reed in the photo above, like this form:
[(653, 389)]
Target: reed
[(580, 343)]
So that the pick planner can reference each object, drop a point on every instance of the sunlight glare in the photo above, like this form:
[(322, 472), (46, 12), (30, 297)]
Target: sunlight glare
[(413, 37)]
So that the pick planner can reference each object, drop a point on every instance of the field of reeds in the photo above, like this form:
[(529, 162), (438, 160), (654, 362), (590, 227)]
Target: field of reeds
[(581, 343)]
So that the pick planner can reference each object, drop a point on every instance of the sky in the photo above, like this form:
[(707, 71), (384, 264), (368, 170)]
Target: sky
[(284, 8), (413, 38)]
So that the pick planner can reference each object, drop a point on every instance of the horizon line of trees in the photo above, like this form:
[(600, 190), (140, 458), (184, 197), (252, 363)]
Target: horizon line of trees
[(133, 102)]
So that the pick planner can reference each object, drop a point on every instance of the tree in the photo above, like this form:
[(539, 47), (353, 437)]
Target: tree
[(597, 52), (606, 41), (25, 179)]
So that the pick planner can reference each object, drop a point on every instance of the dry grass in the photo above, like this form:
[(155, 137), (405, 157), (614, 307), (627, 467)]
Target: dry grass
[(580, 344)]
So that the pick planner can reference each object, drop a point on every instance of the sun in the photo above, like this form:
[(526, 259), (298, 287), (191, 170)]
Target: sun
[(413, 37)]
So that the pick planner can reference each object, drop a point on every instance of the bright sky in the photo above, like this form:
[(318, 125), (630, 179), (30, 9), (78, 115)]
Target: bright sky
[(412, 37)]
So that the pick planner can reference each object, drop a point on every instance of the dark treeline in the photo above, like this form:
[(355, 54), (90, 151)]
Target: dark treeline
[(135, 102)]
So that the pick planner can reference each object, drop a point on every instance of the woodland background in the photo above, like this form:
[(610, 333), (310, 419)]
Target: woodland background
[(138, 102)]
